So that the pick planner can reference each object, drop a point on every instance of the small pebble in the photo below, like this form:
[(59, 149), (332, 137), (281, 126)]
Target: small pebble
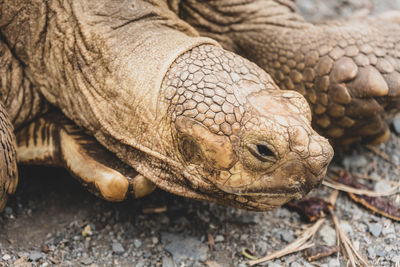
[(219, 238), (154, 240), (287, 236), (396, 124), (6, 257), (295, 264), (396, 259), (382, 187), (117, 248), (346, 227), (355, 161), (137, 243), (381, 253), (328, 235), (86, 261), (334, 263), (35, 256), (371, 253), (375, 229), (262, 247), (273, 264), (168, 262), (8, 211)]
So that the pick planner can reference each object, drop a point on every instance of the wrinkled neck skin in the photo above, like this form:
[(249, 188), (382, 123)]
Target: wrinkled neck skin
[(218, 19)]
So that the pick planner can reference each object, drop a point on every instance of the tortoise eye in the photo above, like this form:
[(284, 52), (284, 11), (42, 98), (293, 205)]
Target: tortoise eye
[(262, 152)]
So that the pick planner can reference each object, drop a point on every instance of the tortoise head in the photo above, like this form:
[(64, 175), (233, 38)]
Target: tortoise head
[(243, 141)]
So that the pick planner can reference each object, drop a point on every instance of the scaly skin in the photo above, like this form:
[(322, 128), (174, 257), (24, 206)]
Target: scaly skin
[(222, 107), (19, 103), (8, 161), (137, 78), (348, 71)]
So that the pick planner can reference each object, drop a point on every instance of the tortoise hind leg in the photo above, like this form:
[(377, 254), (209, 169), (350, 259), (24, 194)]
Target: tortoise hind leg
[(54, 140), (8, 163)]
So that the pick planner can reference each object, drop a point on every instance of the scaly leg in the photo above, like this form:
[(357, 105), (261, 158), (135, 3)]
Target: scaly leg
[(55, 140), (8, 165), (349, 71)]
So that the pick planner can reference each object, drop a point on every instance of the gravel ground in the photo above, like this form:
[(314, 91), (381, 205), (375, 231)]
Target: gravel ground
[(52, 220)]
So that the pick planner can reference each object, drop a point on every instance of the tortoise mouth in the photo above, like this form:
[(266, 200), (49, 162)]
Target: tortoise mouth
[(287, 180)]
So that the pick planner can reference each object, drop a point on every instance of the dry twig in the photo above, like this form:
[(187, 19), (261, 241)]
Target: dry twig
[(299, 244), (352, 254), (366, 177), (302, 242), (342, 187)]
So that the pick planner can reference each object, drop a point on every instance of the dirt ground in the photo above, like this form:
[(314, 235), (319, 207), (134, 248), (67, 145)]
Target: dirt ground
[(53, 221)]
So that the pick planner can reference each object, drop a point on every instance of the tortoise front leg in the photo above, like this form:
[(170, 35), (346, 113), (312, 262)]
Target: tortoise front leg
[(349, 71), (56, 141), (8, 165)]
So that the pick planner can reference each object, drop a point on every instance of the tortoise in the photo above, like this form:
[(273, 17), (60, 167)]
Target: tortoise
[(212, 100)]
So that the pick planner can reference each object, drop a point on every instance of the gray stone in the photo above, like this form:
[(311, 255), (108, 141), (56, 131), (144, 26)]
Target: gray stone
[(262, 247), (355, 161), (222, 259), (117, 248), (86, 261), (334, 263), (381, 253), (182, 247), (328, 235), (219, 238), (371, 253), (375, 229), (8, 211), (396, 160), (244, 237), (6, 257), (35, 256), (382, 187), (168, 262), (154, 240), (273, 264), (396, 259), (287, 236), (346, 227), (295, 264), (137, 243), (396, 124)]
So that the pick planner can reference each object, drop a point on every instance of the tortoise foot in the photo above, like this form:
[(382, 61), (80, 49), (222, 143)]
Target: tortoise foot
[(54, 140)]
